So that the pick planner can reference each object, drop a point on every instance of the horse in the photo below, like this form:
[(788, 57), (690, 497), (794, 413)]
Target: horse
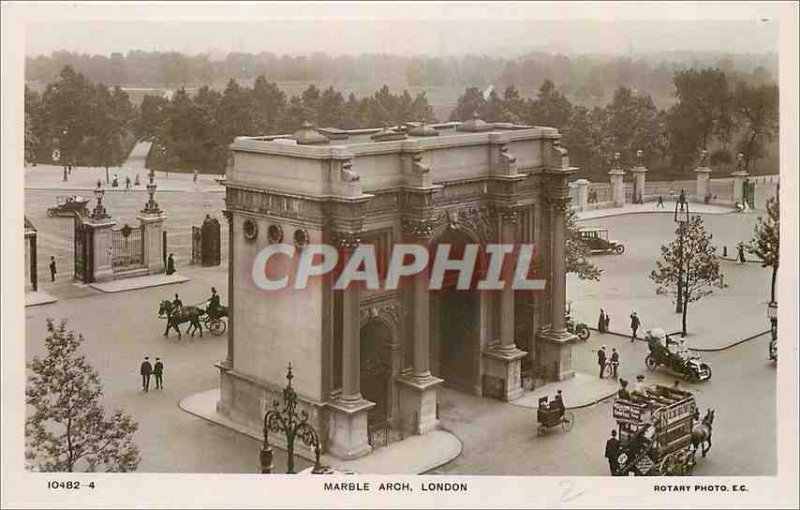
[(701, 433), (189, 314)]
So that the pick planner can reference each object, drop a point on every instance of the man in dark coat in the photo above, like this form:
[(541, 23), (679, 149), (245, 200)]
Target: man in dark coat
[(623, 392), (635, 323), (612, 452), (146, 369), (601, 359), (614, 362), (177, 305), (158, 371), (52, 269), (170, 264), (213, 303), (601, 322)]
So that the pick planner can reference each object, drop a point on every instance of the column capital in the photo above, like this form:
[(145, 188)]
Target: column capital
[(345, 240), (508, 214), (559, 203), (420, 229)]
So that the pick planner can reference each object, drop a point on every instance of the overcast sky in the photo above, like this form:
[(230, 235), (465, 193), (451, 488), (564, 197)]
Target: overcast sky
[(402, 29)]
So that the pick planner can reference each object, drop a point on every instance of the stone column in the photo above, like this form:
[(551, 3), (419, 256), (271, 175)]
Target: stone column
[(556, 348), (638, 172), (418, 389), (348, 438), (583, 194), (504, 360), (231, 293), (739, 176), (616, 175), (152, 226)]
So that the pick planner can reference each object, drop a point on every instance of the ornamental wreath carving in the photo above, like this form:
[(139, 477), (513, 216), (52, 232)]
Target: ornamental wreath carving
[(250, 229)]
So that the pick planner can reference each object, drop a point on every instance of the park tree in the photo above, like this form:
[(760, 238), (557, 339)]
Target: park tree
[(756, 108), (633, 124), (67, 428), (150, 117), (268, 101), (577, 253), (550, 108), (35, 134), (66, 108), (767, 238), (691, 262), (111, 117), (470, 102)]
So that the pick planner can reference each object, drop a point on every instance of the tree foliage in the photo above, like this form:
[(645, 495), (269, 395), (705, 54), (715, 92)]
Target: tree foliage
[(577, 253), (756, 109), (690, 261), (767, 240), (67, 428)]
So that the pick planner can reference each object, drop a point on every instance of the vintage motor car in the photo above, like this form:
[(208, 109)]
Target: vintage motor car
[(68, 206), (672, 354), (598, 242)]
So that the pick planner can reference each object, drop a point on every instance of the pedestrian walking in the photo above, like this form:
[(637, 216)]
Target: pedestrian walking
[(146, 369), (635, 323), (158, 371), (170, 264), (194, 177), (52, 269), (614, 362), (612, 452), (601, 359), (608, 321), (601, 322), (660, 202), (136, 181), (740, 256), (127, 182)]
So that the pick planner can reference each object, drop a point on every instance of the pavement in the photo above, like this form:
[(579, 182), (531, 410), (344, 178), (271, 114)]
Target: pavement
[(625, 285), (39, 298), (413, 455), (50, 177), (139, 282), (650, 208), (579, 391)]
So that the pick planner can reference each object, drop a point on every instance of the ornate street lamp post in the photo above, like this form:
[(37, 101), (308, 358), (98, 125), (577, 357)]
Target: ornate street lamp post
[(682, 219), (293, 425), (99, 211)]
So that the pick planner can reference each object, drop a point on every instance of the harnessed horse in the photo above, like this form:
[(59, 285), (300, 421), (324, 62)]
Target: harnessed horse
[(701, 433), (190, 314)]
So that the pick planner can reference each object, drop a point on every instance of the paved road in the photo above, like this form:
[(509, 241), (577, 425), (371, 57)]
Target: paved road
[(500, 439), (119, 330)]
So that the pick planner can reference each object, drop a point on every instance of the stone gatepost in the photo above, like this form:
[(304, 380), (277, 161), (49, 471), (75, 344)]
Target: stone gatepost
[(638, 172), (703, 172), (151, 218), (101, 226), (616, 175), (582, 186), (739, 177)]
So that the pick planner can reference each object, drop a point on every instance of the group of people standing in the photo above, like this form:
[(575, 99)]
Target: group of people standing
[(146, 370), (605, 320)]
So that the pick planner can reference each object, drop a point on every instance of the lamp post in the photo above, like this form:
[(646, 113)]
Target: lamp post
[(63, 136), (682, 219), (772, 313), (99, 211), (293, 425)]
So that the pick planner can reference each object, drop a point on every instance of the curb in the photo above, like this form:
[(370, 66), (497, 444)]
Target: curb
[(644, 212), (65, 190), (698, 349)]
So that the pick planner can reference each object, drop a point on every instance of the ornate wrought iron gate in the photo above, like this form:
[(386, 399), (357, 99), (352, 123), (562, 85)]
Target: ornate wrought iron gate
[(127, 248), (206, 243), (83, 253)]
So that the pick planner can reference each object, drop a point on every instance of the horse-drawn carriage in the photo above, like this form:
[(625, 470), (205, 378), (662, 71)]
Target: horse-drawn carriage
[(68, 205), (193, 314), (672, 354), (658, 433), (552, 414)]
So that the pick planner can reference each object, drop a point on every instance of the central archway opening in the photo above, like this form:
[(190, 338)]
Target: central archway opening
[(455, 322)]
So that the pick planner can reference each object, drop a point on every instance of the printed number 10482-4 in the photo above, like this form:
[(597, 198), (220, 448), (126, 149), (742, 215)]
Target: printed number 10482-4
[(73, 485)]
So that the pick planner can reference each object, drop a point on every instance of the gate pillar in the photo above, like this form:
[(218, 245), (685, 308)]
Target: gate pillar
[(616, 175), (99, 234), (152, 239)]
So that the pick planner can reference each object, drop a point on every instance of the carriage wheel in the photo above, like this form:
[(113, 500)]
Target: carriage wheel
[(670, 466), (650, 362), (583, 332), (706, 372), (567, 421), (619, 249), (217, 326)]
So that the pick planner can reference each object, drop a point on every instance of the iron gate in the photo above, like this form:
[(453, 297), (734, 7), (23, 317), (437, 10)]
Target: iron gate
[(127, 248), (206, 243), (83, 254)]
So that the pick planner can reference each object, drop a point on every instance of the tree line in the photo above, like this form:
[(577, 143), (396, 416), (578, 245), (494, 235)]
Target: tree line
[(713, 112), (585, 79), (93, 125)]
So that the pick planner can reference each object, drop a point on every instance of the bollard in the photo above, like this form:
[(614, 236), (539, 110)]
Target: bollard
[(724, 251)]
